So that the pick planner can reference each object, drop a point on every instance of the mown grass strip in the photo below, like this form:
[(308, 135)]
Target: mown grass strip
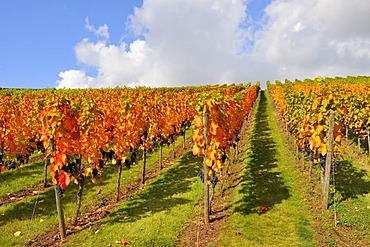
[(269, 207)]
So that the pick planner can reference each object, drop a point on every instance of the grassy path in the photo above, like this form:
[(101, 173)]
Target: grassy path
[(269, 181)]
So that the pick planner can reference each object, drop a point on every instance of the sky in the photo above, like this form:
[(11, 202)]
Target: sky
[(80, 43)]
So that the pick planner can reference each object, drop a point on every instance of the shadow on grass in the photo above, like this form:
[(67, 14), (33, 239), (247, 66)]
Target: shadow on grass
[(23, 210), (27, 171), (351, 182), (261, 186), (353, 139), (159, 196)]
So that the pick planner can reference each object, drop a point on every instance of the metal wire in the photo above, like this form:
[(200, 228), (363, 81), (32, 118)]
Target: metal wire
[(33, 214)]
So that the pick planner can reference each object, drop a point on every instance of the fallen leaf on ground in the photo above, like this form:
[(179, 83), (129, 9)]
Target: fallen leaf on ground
[(125, 241)]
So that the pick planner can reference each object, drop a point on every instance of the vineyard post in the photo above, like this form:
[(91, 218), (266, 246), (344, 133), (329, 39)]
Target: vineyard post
[(297, 153), (119, 163), (58, 197), (160, 156), (173, 149), (184, 139), (58, 201), (205, 170), (359, 141), (144, 164), (81, 183), (46, 171), (329, 156)]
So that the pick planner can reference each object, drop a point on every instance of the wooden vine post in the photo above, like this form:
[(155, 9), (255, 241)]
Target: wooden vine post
[(119, 164), (46, 163), (160, 155), (173, 149), (205, 170), (58, 197), (184, 139), (329, 158), (144, 164)]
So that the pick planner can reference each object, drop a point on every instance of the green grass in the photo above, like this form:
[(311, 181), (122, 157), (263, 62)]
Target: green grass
[(352, 201), (16, 216), (154, 217), (269, 178), (17, 180)]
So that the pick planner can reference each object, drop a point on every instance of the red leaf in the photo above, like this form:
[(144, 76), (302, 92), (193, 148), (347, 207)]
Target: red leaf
[(64, 179)]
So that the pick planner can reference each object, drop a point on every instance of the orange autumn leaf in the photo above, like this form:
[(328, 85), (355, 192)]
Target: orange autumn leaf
[(213, 128), (198, 122)]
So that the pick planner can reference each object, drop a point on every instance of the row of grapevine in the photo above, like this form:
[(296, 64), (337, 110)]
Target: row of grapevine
[(80, 130), (217, 126), (305, 106)]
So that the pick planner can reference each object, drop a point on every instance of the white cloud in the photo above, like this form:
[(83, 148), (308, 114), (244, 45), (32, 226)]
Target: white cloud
[(320, 37), (101, 32), (209, 41), (74, 79)]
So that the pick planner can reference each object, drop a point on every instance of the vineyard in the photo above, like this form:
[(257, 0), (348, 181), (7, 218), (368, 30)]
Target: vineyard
[(190, 166)]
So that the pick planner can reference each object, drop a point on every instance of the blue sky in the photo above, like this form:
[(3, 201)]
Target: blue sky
[(107, 43), (38, 37)]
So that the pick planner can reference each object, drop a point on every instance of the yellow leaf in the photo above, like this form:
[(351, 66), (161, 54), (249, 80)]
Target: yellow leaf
[(323, 149), (197, 151), (209, 162), (198, 121), (338, 138), (319, 129), (17, 233), (88, 171), (213, 128)]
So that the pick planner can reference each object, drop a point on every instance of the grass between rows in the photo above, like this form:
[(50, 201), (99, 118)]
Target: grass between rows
[(154, 217), (16, 216), (350, 201), (269, 178), (19, 179)]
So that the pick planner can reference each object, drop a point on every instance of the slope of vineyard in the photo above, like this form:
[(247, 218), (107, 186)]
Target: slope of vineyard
[(80, 131), (136, 180), (304, 108)]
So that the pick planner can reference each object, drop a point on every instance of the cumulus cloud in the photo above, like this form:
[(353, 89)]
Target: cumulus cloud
[(309, 38), (216, 41), (74, 79)]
